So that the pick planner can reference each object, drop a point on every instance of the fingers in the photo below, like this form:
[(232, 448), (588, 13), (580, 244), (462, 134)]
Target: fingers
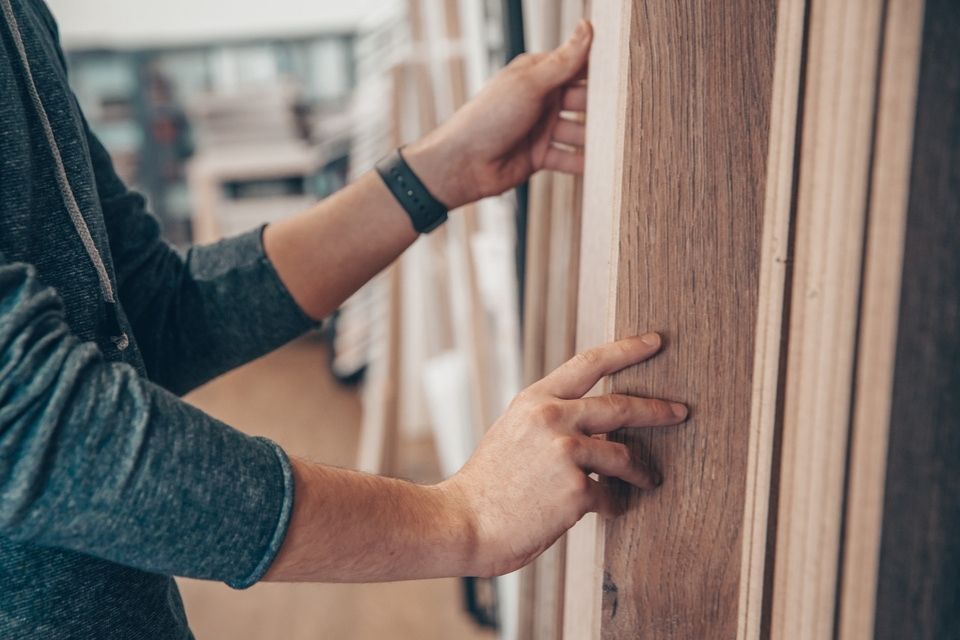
[(614, 460), (563, 160), (603, 414), (567, 61), (599, 500), (574, 98), (569, 132), (576, 376)]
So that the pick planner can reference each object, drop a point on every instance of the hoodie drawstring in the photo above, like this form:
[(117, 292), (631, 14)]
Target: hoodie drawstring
[(119, 338)]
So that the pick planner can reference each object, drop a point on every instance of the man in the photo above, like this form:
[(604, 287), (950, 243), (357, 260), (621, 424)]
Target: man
[(110, 485)]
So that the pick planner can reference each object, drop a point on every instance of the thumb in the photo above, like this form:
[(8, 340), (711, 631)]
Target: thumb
[(563, 64)]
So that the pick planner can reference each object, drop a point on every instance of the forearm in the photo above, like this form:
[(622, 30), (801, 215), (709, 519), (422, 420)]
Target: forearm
[(96, 459), (326, 253), (353, 527)]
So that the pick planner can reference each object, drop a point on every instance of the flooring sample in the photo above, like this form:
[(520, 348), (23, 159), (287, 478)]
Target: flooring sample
[(694, 151)]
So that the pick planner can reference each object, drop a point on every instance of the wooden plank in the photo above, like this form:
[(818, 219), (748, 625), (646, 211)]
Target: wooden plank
[(696, 140), (553, 217), (837, 139), (380, 431), (773, 297), (880, 299), (919, 575), (599, 247)]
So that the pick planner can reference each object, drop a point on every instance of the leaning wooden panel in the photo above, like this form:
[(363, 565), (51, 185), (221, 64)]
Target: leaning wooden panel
[(837, 138), (599, 248), (880, 299), (773, 300), (696, 141)]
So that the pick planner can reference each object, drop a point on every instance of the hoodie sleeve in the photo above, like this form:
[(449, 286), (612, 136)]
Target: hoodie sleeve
[(96, 459), (196, 315)]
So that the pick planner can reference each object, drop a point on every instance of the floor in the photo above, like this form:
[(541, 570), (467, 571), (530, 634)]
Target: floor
[(290, 397)]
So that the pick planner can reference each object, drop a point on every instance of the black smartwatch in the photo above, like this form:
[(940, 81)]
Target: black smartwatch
[(426, 212)]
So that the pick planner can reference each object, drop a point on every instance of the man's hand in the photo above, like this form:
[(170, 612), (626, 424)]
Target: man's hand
[(509, 130), (527, 482), (525, 485)]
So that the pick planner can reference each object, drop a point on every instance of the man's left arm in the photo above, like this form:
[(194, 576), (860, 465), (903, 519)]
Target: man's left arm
[(221, 305), (194, 315)]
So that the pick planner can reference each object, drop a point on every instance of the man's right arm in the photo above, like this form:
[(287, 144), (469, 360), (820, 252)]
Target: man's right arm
[(96, 459), (525, 485)]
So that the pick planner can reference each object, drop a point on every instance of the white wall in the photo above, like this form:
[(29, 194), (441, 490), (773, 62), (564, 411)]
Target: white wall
[(150, 22)]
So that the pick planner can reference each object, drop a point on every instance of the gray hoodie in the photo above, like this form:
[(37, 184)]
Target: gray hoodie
[(109, 483)]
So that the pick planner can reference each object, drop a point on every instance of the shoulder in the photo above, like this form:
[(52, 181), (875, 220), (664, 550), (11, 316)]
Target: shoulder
[(42, 11)]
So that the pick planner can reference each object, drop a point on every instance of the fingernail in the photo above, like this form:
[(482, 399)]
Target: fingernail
[(678, 409), (651, 339)]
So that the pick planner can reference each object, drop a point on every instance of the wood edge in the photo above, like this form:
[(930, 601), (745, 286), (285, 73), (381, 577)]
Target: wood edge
[(585, 541), (883, 264), (837, 138), (775, 252)]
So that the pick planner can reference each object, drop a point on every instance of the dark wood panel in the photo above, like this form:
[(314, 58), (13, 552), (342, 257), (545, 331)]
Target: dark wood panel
[(697, 125), (919, 579)]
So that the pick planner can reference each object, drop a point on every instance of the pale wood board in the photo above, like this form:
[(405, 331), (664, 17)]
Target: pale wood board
[(834, 166), (553, 250), (380, 433), (879, 310), (772, 295), (599, 250)]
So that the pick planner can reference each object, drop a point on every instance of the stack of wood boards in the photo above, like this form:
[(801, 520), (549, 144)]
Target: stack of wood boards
[(783, 205), (444, 341)]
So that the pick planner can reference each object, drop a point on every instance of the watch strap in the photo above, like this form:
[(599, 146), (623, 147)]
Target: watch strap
[(426, 212)]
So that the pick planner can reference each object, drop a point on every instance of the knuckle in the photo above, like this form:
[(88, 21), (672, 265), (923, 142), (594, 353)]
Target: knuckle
[(569, 447), (623, 455), (549, 412), (619, 405)]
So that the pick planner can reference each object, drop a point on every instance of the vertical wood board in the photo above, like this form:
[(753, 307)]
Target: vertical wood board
[(596, 301), (695, 144), (834, 163), (877, 337)]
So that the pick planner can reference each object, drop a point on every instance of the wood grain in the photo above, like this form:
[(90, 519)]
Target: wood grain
[(880, 299), (772, 304), (596, 299), (696, 143), (834, 167)]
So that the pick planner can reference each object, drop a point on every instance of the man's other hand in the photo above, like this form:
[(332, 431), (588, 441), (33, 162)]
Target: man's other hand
[(528, 480), (512, 128)]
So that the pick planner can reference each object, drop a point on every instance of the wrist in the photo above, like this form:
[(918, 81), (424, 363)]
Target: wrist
[(458, 529), (441, 169)]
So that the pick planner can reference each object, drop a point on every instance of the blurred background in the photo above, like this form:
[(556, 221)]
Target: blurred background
[(229, 115)]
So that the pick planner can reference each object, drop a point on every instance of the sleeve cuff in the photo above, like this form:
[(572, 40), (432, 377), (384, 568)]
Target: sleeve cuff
[(283, 521)]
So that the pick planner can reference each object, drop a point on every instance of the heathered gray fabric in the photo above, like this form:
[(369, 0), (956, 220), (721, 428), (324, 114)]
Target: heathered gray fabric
[(109, 484)]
